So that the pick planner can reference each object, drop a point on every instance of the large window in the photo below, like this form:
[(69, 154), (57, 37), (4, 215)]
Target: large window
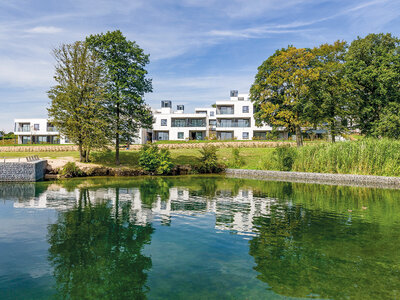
[(188, 122), (24, 127), (212, 122), (245, 109), (162, 136), (225, 135), (180, 135), (163, 122), (233, 123), (225, 110), (260, 135), (42, 139), (26, 139)]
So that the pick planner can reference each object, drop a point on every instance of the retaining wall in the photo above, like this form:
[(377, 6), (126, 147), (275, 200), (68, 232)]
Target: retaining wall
[(322, 178), (22, 171)]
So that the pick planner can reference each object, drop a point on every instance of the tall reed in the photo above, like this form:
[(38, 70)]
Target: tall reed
[(365, 157)]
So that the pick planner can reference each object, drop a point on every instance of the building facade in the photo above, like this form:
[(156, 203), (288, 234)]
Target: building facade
[(231, 119), (226, 120), (37, 131)]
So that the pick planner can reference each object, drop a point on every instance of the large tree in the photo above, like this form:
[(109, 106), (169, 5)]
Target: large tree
[(329, 106), (124, 62), (282, 88), (77, 99), (373, 67)]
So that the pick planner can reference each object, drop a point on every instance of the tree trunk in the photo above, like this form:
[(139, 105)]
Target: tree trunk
[(117, 162), (299, 136), (81, 155), (333, 132)]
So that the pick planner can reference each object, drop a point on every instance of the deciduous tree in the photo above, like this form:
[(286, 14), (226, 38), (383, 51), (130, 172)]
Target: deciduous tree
[(77, 99), (124, 62), (373, 67), (282, 88)]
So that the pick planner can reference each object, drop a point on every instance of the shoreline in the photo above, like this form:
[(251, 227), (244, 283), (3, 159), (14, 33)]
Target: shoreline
[(370, 181)]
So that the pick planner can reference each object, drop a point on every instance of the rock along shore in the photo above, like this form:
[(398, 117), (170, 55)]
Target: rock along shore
[(321, 178)]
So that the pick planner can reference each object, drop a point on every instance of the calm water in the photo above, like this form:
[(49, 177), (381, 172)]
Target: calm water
[(197, 238)]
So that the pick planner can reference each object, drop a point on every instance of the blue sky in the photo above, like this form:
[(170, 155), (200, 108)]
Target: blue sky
[(199, 49)]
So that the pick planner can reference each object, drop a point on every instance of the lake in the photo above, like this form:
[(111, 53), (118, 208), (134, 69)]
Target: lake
[(197, 237)]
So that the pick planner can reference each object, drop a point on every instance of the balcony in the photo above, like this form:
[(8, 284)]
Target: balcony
[(51, 129), (188, 123), (24, 129), (225, 110), (241, 123)]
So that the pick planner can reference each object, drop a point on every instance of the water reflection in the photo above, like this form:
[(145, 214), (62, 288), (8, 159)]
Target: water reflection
[(96, 251), (306, 240)]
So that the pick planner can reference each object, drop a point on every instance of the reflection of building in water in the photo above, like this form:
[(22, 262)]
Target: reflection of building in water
[(232, 212)]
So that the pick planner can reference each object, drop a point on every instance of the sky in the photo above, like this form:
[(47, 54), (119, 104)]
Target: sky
[(199, 49)]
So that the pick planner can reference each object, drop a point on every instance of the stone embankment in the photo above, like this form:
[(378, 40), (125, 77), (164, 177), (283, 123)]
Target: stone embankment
[(61, 148), (22, 171), (322, 178)]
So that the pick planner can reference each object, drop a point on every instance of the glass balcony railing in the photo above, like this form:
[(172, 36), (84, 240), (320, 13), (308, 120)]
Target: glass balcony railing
[(225, 110)]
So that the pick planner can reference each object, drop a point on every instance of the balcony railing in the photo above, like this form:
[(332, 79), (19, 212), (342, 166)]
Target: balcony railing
[(23, 129), (52, 129), (233, 123), (225, 111)]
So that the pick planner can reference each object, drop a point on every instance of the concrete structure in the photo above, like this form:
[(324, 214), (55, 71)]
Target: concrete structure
[(228, 120), (22, 171), (37, 131)]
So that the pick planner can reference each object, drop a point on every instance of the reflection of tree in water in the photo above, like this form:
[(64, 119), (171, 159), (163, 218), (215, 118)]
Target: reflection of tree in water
[(96, 252), (302, 252), (152, 188)]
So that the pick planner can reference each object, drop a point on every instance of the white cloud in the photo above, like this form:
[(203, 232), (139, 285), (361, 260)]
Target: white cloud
[(45, 30)]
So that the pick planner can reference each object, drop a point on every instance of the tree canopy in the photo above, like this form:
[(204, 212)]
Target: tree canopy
[(126, 83), (77, 100)]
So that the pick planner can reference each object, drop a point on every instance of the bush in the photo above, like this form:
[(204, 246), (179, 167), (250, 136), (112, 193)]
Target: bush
[(238, 160), (209, 160), (282, 159), (70, 169), (155, 161)]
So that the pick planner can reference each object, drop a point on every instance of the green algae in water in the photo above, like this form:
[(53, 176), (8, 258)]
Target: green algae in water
[(197, 237)]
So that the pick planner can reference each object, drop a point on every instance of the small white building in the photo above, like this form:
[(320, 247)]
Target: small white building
[(37, 131)]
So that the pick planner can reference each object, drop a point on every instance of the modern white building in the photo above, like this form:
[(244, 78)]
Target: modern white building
[(37, 131), (226, 120)]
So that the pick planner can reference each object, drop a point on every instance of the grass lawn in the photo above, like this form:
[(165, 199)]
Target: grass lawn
[(254, 158)]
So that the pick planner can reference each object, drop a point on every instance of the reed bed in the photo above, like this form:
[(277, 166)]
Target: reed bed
[(364, 157)]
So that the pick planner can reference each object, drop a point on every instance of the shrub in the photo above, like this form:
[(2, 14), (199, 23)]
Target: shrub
[(284, 158), (155, 161), (237, 159), (209, 160), (70, 169)]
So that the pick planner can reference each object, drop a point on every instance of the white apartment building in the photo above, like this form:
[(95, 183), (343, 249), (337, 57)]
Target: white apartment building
[(225, 120), (37, 131), (228, 120)]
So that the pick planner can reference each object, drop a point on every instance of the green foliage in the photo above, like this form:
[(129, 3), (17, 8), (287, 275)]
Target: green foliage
[(70, 170), (373, 67), (388, 124), (208, 161), (126, 83), (237, 159), (282, 159), (282, 88), (77, 101), (154, 160)]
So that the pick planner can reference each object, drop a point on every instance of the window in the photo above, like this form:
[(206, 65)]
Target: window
[(212, 122), (245, 109), (245, 135), (241, 98), (180, 135), (42, 139), (163, 122), (162, 136), (36, 126), (225, 110), (180, 107), (178, 123), (211, 114), (227, 135)]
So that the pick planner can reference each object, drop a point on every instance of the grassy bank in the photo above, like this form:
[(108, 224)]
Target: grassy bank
[(363, 157), (253, 158)]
